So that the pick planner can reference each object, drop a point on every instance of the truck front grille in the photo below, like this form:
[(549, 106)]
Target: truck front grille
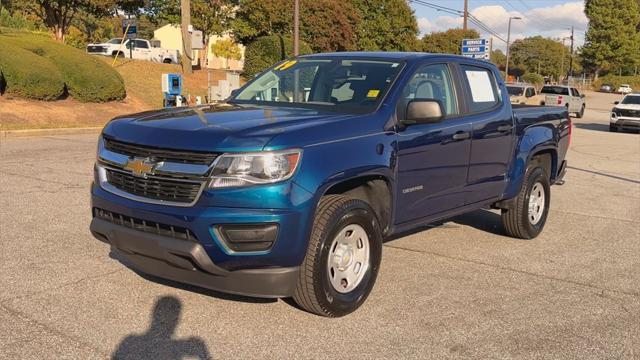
[(629, 113), (95, 49), (168, 155), (155, 188), (176, 232)]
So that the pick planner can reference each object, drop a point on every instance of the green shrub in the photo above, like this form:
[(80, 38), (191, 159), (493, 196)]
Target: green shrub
[(25, 74), (534, 79), (86, 77), (268, 50), (616, 81)]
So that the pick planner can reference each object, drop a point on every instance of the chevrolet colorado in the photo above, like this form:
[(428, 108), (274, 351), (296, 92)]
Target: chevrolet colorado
[(290, 186)]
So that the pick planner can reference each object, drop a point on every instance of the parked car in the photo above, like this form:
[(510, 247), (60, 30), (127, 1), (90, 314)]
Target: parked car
[(569, 97), (624, 89), (524, 94), (140, 50), (606, 88), (283, 192), (626, 113)]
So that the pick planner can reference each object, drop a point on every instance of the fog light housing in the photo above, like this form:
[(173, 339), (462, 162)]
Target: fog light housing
[(246, 239)]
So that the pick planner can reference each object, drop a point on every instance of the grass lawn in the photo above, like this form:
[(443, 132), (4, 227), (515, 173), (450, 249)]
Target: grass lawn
[(144, 92)]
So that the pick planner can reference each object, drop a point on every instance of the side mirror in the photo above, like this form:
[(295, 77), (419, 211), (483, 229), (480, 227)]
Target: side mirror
[(583, 96), (616, 102), (424, 111)]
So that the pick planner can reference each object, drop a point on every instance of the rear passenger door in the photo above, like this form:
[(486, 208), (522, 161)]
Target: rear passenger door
[(432, 158), (492, 133)]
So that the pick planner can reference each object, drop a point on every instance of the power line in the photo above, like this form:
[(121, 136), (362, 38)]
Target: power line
[(452, 11)]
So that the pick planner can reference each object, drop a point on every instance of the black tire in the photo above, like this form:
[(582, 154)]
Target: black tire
[(613, 128), (516, 220), (581, 113), (314, 292)]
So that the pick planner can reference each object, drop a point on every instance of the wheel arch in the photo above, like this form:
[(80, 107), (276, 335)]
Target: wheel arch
[(374, 189), (548, 159)]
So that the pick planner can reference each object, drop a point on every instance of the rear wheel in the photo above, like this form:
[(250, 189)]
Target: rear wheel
[(529, 214), (343, 257)]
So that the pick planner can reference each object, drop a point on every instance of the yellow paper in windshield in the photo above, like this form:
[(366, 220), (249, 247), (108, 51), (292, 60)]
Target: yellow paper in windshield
[(286, 65), (373, 93)]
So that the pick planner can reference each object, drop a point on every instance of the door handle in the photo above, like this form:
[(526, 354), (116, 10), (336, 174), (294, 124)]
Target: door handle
[(505, 128), (461, 135)]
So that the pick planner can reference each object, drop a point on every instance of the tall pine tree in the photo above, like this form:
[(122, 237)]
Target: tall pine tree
[(613, 39)]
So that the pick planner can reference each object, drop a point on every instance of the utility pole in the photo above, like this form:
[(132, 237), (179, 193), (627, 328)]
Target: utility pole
[(571, 56), (561, 75), (466, 15), (296, 27), (506, 66), (185, 15)]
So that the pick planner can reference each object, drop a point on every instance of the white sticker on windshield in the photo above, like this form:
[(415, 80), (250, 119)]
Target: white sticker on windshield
[(480, 83)]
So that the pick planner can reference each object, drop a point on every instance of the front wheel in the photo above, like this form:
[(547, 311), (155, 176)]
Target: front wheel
[(613, 128), (342, 259), (580, 114), (529, 214)]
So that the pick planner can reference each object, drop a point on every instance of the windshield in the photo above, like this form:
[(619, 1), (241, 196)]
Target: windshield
[(114, 41), (556, 90), (338, 84), (633, 100), (515, 90)]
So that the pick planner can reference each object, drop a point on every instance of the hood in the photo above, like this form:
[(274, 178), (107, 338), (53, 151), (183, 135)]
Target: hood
[(219, 128), (628, 106)]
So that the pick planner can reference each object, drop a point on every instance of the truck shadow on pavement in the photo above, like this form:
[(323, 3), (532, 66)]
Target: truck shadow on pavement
[(158, 342), (191, 288), (483, 220)]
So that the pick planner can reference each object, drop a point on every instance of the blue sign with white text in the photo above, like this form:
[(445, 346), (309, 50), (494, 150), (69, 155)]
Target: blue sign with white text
[(476, 48)]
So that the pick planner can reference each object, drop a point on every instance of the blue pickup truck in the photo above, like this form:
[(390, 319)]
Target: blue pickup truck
[(290, 187)]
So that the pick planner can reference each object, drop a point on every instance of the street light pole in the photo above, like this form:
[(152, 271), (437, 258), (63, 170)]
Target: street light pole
[(296, 27), (506, 67)]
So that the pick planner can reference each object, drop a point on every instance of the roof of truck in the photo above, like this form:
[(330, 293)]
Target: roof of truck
[(391, 55)]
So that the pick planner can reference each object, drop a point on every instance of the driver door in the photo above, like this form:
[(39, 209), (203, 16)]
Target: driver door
[(433, 158)]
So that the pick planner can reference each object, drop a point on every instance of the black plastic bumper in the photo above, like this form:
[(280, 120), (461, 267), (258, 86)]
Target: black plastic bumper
[(187, 261), (561, 172)]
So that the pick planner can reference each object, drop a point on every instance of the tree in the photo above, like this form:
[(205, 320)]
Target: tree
[(327, 25), (447, 42), (57, 15), (385, 25), (542, 56), (613, 39), (226, 49), (498, 58)]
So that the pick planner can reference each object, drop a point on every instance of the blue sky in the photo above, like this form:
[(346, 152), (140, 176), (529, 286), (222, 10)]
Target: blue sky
[(549, 18)]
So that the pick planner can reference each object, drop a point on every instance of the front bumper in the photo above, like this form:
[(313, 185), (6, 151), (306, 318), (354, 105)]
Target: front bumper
[(623, 122), (185, 246), (188, 262)]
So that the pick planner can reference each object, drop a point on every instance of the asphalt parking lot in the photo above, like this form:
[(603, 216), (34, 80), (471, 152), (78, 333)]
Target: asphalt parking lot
[(461, 289)]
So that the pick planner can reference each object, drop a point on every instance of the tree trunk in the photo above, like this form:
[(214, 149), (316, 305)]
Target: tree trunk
[(59, 33)]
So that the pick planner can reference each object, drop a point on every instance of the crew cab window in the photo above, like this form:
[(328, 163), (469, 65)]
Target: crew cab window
[(431, 82), (141, 44), (555, 90), (530, 92), (482, 87)]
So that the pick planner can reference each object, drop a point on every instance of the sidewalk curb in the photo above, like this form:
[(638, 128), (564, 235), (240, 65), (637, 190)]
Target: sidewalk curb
[(47, 132)]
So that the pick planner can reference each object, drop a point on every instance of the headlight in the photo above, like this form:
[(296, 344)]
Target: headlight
[(232, 170)]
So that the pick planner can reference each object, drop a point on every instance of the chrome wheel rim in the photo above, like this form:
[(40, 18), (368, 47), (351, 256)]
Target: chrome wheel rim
[(348, 258), (536, 203)]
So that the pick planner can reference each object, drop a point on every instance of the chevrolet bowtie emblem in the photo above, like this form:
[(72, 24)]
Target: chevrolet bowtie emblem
[(140, 166)]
